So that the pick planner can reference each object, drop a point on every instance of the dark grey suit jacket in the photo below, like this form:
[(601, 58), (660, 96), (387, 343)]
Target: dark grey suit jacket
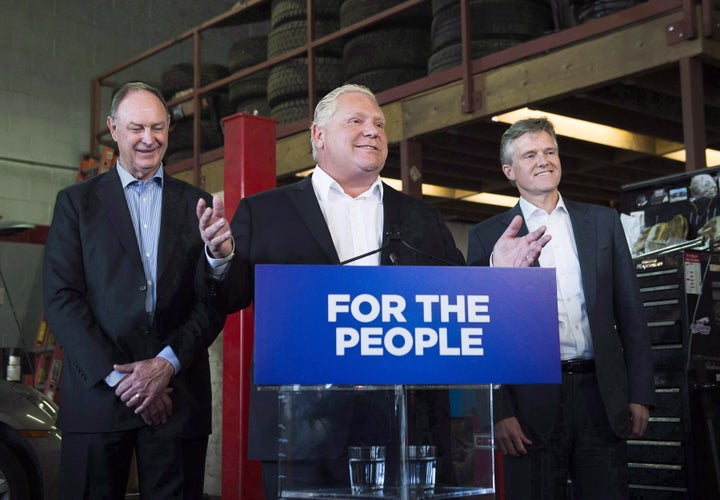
[(286, 226), (617, 319), (94, 292)]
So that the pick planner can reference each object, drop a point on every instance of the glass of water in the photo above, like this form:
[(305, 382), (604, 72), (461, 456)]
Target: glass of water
[(421, 467), (367, 468)]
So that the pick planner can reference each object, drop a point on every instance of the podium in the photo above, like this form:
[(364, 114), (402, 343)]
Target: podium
[(397, 356)]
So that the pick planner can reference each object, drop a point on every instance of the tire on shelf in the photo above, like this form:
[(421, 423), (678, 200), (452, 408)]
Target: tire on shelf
[(289, 79), (282, 11), (451, 56), (247, 52), (383, 79), (353, 11), (518, 19), (292, 110), (401, 47), (590, 10), (293, 34), (256, 106), (181, 136)]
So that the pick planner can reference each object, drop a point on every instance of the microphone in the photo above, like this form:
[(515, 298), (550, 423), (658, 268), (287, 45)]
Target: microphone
[(390, 235), (399, 238), (366, 254)]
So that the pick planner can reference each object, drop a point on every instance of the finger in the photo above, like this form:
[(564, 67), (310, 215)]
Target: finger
[(144, 404), (200, 208), (218, 206), (513, 228), (131, 400)]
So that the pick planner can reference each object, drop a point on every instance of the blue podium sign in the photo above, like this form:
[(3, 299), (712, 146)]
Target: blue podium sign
[(391, 325)]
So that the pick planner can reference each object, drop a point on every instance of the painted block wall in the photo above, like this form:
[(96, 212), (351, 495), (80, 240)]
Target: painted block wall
[(49, 52)]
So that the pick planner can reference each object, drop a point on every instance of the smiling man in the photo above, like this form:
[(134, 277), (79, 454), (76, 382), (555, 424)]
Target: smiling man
[(342, 211), (577, 429), (119, 283)]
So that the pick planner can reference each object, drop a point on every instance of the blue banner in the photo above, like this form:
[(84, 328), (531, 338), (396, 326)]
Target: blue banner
[(390, 325)]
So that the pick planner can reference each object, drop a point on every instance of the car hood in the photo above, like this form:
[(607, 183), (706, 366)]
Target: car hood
[(23, 407)]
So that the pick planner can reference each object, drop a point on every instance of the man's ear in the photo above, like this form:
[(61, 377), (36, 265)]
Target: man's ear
[(111, 127), (318, 136), (509, 172)]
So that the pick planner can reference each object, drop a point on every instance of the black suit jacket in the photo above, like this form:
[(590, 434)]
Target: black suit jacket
[(286, 226), (617, 319), (95, 292)]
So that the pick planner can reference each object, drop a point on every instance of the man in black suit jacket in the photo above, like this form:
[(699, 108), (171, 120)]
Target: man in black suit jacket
[(341, 211), (119, 282), (578, 428)]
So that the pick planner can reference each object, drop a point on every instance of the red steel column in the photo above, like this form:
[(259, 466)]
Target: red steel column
[(249, 168)]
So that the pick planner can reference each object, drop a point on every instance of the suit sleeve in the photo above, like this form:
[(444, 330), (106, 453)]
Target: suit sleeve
[(631, 321), (234, 291), (66, 307)]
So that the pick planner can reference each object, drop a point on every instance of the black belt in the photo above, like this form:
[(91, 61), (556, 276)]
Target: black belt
[(578, 366)]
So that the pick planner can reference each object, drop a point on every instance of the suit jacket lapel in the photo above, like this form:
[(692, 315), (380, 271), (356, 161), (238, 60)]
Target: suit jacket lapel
[(508, 216), (585, 231), (303, 197), (112, 198), (171, 221)]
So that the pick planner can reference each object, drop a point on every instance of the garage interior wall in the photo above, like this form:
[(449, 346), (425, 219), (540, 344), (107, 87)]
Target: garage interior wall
[(49, 51)]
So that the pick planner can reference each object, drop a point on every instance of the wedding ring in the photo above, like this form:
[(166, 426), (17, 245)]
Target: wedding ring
[(137, 396)]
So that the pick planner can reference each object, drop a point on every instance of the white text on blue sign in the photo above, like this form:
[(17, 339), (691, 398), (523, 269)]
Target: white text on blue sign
[(390, 310)]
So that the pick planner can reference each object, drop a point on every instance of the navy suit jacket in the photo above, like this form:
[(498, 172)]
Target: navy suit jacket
[(94, 293), (286, 226), (618, 325)]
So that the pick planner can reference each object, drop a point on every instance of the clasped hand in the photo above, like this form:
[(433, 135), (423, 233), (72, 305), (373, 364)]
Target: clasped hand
[(145, 389)]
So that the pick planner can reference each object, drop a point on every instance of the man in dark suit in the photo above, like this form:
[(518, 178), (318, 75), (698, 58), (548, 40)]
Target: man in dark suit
[(576, 429), (119, 284), (341, 211)]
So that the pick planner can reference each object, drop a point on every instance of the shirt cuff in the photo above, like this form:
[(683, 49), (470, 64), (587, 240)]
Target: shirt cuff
[(169, 355), (114, 378), (219, 267)]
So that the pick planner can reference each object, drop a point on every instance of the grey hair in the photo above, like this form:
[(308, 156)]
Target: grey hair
[(520, 127), (133, 87), (327, 105)]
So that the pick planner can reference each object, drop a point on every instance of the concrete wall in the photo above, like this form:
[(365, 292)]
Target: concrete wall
[(49, 52)]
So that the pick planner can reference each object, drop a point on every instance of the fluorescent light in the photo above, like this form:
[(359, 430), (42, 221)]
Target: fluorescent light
[(712, 157), (608, 136), (447, 192)]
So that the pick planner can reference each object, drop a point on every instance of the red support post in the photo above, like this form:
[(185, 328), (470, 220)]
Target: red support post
[(250, 148)]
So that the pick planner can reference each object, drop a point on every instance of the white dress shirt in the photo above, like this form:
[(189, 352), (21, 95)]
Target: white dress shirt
[(561, 253), (355, 224)]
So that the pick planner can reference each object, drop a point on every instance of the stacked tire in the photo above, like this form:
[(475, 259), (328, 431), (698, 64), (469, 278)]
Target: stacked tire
[(494, 25), (175, 82), (389, 53), (287, 83), (587, 10), (249, 94)]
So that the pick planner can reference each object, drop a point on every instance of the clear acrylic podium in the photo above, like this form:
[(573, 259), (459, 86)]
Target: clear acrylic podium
[(456, 419), (396, 356)]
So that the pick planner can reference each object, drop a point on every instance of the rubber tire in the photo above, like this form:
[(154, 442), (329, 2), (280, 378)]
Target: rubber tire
[(247, 52), (353, 11), (282, 11), (518, 19), (288, 80), (404, 47), (15, 482), (383, 79), (291, 110), (451, 56), (293, 34)]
